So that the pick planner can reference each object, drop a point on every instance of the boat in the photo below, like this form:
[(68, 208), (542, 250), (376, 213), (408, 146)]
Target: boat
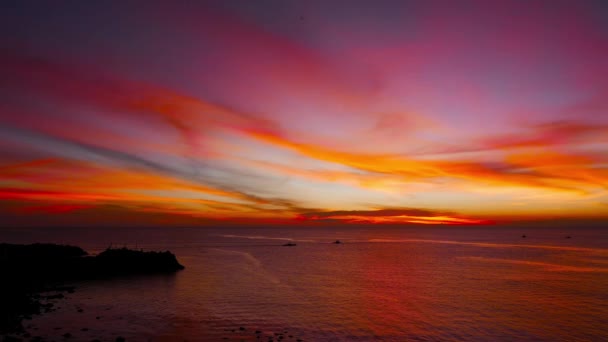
[(337, 242), (289, 244)]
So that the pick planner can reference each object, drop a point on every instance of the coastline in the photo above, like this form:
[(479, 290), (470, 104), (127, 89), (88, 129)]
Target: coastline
[(37, 277), (363, 290)]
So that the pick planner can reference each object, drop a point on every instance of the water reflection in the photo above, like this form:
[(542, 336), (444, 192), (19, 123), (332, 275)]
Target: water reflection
[(456, 287)]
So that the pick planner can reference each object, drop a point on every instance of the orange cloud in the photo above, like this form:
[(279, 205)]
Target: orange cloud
[(369, 180), (398, 215), (508, 174), (55, 208), (64, 185), (89, 177)]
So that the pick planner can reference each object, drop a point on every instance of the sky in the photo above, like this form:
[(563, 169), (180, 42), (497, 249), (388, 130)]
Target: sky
[(302, 112)]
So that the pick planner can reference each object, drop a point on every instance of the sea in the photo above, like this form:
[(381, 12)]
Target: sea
[(415, 283)]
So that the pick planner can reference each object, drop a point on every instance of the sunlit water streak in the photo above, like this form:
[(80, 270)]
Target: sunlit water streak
[(387, 284)]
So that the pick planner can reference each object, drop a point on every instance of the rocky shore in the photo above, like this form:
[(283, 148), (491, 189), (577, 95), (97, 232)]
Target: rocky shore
[(34, 277)]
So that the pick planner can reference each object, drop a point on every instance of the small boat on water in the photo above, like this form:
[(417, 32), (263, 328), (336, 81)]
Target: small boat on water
[(337, 242), (289, 244), (523, 236)]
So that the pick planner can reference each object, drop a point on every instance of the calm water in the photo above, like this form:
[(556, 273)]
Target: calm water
[(427, 284)]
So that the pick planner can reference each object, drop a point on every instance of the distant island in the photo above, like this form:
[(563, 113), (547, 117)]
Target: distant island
[(27, 271)]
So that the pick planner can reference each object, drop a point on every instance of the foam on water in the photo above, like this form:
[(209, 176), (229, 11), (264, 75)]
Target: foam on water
[(600, 251), (545, 265), (261, 237)]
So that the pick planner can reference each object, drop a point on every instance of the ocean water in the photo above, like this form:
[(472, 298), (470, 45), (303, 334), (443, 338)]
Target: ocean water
[(381, 284)]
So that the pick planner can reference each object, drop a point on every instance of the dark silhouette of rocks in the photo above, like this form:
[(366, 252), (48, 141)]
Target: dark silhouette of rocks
[(56, 296), (126, 261), (29, 270), (39, 250), (26, 271)]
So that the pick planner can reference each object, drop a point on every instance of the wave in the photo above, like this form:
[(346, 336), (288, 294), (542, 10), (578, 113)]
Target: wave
[(259, 267), (262, 237), (498, 245), (248, 256), (546, 265)]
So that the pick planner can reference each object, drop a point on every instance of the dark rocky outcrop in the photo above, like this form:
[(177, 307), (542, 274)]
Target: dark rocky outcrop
[(123, 261), (26, 271)]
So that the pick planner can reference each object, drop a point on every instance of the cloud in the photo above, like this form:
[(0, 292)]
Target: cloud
[(96, 176), (55, 208), (206, 173), (507, 173), (375, 213), (239, 116), (392, 215), (550, 134), (84, 84)]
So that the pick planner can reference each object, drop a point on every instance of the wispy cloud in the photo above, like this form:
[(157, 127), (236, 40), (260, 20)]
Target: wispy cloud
[(393, 215), (514, 170), (228, 115)]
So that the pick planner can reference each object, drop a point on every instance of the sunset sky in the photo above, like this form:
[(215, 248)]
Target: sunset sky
[(302, 112)]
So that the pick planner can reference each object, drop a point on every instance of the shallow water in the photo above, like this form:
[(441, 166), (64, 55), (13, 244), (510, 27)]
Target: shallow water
[(427, 284)]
